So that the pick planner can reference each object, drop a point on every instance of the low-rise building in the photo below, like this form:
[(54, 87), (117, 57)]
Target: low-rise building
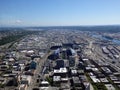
[(94, 79), (60, 72), (104, 80), (109, 86)]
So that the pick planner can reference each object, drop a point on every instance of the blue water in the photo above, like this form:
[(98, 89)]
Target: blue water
[(116, 41), (104, 38)]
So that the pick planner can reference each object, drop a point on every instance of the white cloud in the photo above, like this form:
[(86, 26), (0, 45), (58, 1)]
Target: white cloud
[(18, 21)]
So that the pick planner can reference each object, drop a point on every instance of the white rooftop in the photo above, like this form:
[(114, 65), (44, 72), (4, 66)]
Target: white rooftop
[(85, 59), (56, 78), (95, 80), (44, 82), (74, 71), (61, 70)]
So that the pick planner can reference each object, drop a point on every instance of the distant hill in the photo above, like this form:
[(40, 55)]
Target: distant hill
[(106, 28), (109, 28)]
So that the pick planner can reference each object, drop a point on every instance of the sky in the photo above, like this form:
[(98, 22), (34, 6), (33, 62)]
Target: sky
[(59, 12)]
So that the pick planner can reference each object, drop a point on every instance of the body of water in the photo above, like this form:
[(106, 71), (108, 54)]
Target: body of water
[(106, 38)]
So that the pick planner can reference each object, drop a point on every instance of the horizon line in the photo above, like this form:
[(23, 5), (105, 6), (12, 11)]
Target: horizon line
[(59, 26)]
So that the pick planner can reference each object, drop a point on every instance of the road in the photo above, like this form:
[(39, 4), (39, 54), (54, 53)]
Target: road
[(38, 70)]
